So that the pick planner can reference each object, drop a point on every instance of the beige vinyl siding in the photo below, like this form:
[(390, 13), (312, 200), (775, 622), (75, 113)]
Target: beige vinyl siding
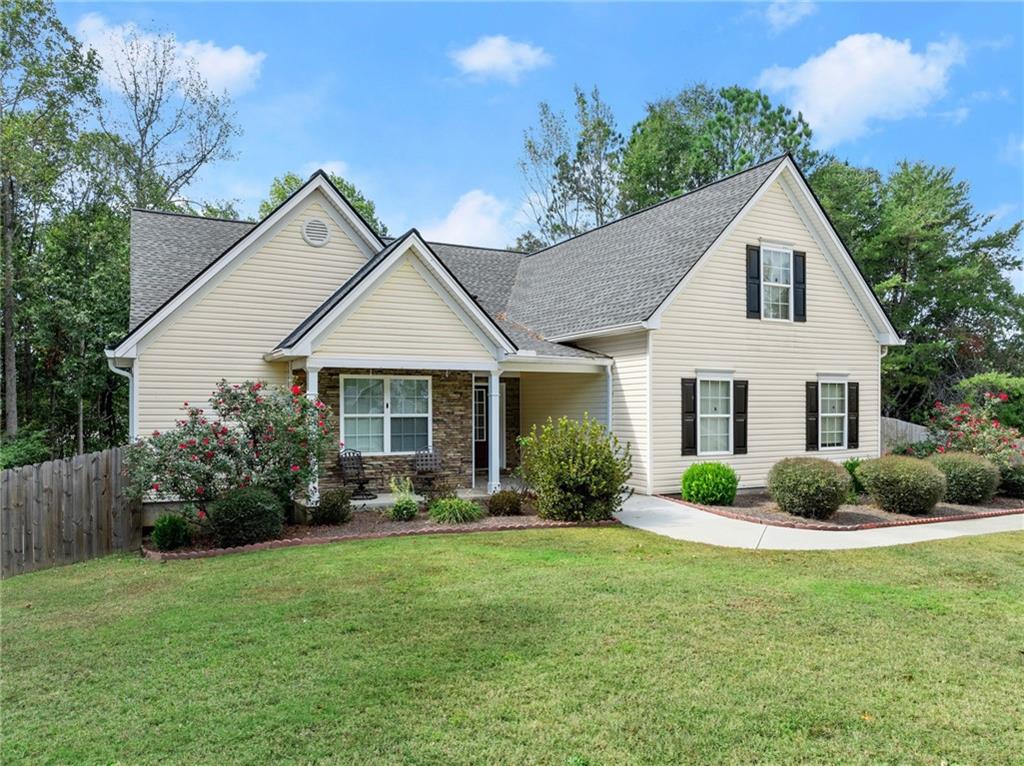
[(706, 329), (241, 315), (561, 394), (404, 318), (629, 395)]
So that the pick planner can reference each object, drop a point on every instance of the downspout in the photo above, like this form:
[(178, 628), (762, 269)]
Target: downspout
[(131, 396), (881, 356)]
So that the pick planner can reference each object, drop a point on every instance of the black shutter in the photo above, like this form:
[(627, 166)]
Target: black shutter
[(853, 415), (739, 417), (812, 415), (799, 287), (689, 416), (753, 282)]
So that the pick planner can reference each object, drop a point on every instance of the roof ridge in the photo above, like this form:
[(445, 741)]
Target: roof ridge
[(665, 201), (193, 215), (475, 247)]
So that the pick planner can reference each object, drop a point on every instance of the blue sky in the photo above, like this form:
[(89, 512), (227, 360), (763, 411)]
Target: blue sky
[(423, 106)]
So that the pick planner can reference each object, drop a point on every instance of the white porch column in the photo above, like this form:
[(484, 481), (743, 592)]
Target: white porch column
[(312, 392), (494, 433)]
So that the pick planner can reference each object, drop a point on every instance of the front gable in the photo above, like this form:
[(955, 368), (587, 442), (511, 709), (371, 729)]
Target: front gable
[(407, 314)]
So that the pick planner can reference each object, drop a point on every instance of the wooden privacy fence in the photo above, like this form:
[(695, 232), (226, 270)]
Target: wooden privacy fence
[(64, 511), (900, 431)]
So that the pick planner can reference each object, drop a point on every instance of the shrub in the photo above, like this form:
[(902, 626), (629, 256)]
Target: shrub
[(256, 435), (923, 448), (709, 484), (404, 509), (577, 469), (455, 510), (335, 507), (809, 486), (170, 531), (28, 447), (968, 428), (974, 388), (244, 516), (970, 478), (851, 465), (1013, 481), (900, 484), (506, 502)]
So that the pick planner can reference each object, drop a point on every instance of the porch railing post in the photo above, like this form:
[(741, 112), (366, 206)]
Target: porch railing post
[(312, 393), (494, 433)]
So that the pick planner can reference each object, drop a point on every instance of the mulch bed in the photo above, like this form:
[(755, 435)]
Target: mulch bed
[(367, 525), (760, 508)]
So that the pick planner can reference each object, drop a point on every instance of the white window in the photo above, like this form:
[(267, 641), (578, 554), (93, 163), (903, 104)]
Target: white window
[(714, 416), (385, 415), (832, 414), (776, 282)]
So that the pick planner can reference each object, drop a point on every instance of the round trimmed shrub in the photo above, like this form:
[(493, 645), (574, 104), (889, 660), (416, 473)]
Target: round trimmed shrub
[(455, 510), (506, 502), (404, 509), (970, 479), (809, 486), (245, 516), (899, 484), (335, 507), (709, 484), (170, 532)]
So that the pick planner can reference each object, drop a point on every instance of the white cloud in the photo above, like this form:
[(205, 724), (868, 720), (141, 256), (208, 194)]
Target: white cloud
[(862, 79), (478, 218), (232, 69), (1000, 212), (1012, 152), (956, 116), (499, 57), (782, 14)]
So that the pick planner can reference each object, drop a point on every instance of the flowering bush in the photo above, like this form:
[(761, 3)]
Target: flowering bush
[(256, 435), (976, 428)]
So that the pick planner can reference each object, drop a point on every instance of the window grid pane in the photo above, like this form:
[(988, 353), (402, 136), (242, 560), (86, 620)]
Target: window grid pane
[(776, 266), (832, 430), (408, 434), (364, 396), (714, 434), (480, 414), (410, 397), (365, 434), (832, 397), (776, 302)]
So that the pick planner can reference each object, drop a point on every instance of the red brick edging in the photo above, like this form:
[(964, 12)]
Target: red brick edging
[(153, 555), (840, 527)]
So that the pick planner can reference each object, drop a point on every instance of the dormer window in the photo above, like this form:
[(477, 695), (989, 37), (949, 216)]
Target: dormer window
[(776, 282)]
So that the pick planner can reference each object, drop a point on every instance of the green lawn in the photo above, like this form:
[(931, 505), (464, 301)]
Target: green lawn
[(586, 646)]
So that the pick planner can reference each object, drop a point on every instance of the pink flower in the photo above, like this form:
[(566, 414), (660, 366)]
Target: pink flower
[(295, 469), (202, 515), (1003, 396), (156, 486), (296, 390)]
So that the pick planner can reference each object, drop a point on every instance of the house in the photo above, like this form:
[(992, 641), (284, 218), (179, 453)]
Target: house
[(728, 324)]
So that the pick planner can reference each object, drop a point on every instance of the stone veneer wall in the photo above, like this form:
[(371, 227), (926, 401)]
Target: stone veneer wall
[(452, 398)]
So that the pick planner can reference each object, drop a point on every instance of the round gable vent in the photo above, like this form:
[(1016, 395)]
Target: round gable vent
[(315, 232)]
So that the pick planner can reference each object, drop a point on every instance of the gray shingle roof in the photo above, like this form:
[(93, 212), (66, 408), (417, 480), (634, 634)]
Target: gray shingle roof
[(168, 250), (613, 275), (621, 272)]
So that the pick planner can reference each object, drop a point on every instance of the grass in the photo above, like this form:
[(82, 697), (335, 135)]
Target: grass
[(589, 646)]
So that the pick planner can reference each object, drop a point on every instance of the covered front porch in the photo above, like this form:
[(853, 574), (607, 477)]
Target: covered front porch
[(471, 418)]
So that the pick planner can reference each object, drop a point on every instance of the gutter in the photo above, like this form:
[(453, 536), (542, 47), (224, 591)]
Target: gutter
[(132, 435)]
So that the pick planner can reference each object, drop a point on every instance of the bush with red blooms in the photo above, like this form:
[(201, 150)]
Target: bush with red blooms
[(255, 435)]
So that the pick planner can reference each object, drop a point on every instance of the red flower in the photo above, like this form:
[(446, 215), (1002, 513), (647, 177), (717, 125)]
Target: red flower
[(296, 390), (295, 469), (156, 486), (1003, 396), (156, 433), (202, 515), (940, 448), (200, 490), (186, 404)]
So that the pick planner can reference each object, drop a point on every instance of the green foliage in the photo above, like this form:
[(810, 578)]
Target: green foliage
[(438, 490), (809, 486), (900, 484), (970, 479), (1011, 413), (455, 510), (1012, 484), (257, 435), (26, 448), (939, 269), (170, 532), (335, 507), (921, 449), (505, 502), (284, 186), (244, 516), (851, 466), (709, 484), (701, 135), (404, 509), (577, 468)]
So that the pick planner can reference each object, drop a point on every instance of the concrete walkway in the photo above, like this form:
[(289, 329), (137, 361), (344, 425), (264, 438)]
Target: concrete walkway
[(664, 517)]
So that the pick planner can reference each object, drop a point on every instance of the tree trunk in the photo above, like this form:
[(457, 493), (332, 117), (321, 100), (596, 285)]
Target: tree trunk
[(81, 401), (10, 362)]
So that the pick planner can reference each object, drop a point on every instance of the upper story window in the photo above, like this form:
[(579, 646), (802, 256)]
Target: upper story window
[(776, 282)]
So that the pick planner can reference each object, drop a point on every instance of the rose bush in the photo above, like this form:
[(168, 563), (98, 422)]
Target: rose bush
[(255, 435)]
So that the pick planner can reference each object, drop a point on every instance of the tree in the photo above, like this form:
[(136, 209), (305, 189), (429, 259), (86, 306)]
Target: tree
[(571, 176), (284, 186), (167, 121), (939, 271), (702, 135), (46, 80)]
